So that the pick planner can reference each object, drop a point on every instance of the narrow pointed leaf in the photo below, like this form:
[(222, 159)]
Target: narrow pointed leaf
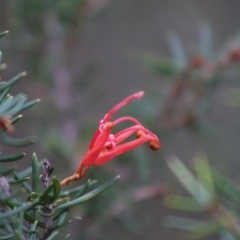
[(75, 190), (45, 197), (28, 105), (18, 142), (159, 65), (89, 195), (66, 223), (10, 236), (28, 171), (19, 230), (2, 34), (82, 191), (35, 174), (198, 228), (4, 94), (52, 236), (195, 188), (56, 189), (12, 81), (12, 158), (204, 173), (6, 171), (18, 181), (177, 50), (24, 184), (182, 203), (15, 211)]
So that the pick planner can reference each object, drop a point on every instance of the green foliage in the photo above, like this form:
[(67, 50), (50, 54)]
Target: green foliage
[(30, 212), (212, 193)]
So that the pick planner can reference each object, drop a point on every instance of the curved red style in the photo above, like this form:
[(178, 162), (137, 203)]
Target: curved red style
[(105, 145)]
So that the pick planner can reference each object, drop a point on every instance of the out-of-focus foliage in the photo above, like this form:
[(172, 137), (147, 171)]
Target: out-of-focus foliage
[(190, 82), (211, 193)]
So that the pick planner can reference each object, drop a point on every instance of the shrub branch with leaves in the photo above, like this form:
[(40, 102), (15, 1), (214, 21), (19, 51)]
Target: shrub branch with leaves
[(30, 213)]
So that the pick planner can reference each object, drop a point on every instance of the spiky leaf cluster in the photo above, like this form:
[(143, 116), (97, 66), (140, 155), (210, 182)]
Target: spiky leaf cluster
[(39, 208)]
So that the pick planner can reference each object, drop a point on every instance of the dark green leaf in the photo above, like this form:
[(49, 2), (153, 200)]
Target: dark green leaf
[(10, 236), (35, 174), (18, 180), (159, 65), (3, 33), (12, 158), (4, 85), (75, 190), (6, 171), (52, 236), (18, 142), (89, 195), (28, 105), (22, 208), (24, 184), (56, 189), (182, 203)]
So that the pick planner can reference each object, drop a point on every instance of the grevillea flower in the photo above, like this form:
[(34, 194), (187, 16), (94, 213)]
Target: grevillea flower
[(106, 145)]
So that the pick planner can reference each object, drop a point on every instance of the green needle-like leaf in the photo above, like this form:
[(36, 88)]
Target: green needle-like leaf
[(19, 230), (56, 189), (28, 105), (47, 195), (89, 195), (4, 85), (159, 66), (3, 33), (22, 208), (204, 173), (65, 223), (18, 181), (10, 236), (35, 174), (52, 236), (18, 142), (28, 171), (75, 190), (195, 188), (12, 158), (198, 228), (82, 191), (60, 218), (182, 203), (33, 229), (4, 94), (24, 183), (6, 171)]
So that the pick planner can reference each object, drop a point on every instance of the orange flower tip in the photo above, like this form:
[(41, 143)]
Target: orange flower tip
[(140, 133), (154, 145), (109, 125)]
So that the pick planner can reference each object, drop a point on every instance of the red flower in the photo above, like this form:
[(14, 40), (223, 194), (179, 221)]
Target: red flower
[(105, 145)]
